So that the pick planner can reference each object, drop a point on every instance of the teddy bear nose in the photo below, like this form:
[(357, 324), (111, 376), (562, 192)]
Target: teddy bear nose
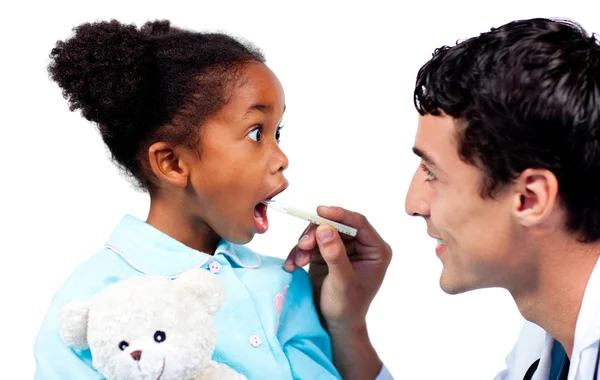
[(136, 355)]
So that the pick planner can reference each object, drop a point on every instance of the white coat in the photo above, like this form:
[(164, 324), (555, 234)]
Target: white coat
[(535, 343)]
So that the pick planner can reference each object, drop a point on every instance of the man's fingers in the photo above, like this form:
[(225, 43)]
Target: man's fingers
[(334, 254), (302, 258), (290, 264), (301, 254), (297, 258), (308, 239), (366, 234)]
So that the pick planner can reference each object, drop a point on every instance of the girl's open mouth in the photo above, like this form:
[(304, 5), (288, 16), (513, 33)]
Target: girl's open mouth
[(261, 222)]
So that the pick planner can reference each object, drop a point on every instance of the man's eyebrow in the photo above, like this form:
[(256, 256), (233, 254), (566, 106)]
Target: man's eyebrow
[(424, 156)]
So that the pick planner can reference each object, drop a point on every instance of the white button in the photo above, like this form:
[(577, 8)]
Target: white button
[(215, 267), (255, 341)]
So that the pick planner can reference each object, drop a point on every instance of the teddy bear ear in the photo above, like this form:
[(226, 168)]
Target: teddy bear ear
[(204, 285), (73, 321)]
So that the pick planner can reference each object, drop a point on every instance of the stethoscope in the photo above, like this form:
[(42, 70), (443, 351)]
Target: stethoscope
[(533, 368), (597, 362)]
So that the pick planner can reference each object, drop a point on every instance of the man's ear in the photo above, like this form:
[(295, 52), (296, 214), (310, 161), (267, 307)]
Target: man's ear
[(536, 198), (167, 164)]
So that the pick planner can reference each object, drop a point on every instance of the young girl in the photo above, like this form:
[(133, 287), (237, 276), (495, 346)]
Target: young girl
[(194, 119)]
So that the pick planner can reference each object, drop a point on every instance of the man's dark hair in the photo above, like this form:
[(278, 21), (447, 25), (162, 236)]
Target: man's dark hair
[(525, 95)]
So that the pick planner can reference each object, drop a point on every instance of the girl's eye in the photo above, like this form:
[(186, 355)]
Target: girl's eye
[(255, 134), (278, 133)]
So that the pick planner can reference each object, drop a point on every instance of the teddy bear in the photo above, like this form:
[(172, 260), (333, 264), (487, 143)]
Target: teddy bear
[(151, 328)]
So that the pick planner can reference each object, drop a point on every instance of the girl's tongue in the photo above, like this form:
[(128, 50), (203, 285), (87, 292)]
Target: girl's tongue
[(261, 222)]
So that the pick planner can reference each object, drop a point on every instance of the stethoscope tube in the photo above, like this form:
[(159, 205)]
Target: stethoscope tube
[(533, 367), (597, 362)]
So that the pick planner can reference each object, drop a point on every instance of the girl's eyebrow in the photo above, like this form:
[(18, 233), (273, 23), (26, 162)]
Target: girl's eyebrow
[(257, 108), (260, 108)]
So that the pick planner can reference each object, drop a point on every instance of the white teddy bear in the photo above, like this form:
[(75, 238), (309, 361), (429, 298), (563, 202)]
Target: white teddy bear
[(151, 328)]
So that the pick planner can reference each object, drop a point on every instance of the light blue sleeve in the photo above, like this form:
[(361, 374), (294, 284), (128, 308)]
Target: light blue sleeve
[(303, 339), (55, 360), (384, 374)]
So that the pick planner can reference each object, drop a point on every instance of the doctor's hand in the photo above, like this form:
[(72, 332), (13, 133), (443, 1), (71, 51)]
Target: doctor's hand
[(346, 273)]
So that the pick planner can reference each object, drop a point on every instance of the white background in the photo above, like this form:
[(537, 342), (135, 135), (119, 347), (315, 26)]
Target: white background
[(348, 71)]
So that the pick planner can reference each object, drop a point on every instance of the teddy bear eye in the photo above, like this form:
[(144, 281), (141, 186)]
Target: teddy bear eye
[(123, 345), (159, 337)]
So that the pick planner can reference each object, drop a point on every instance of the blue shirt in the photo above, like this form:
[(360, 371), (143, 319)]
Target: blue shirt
[(559, 366), (268, 327)]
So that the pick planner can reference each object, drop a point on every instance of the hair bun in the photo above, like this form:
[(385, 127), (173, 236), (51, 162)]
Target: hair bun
[(102, 70), (157, 28)]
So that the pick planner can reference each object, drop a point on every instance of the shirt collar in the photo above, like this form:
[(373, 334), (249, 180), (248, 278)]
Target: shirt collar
[(587, 329), (151, 251)]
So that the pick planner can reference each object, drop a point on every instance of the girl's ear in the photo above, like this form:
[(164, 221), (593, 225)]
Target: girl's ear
[(167, 164)]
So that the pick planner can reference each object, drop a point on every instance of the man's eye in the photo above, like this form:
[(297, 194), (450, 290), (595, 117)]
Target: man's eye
[(255, 134), (430, 175)]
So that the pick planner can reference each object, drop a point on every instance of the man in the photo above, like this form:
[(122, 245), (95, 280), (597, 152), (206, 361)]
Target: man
[(509, 185)]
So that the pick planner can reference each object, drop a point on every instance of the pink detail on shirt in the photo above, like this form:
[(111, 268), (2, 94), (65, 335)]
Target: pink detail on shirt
[(278, 302)]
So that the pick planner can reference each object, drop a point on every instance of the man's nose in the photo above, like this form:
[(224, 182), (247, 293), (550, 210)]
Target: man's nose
[(417, 197)]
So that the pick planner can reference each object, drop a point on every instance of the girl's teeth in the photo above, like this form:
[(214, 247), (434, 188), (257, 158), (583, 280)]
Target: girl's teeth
[(258, 216)]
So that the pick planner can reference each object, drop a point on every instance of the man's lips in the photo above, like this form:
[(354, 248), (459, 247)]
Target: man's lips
[(440, 241), (441, 245), (433, 236)]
